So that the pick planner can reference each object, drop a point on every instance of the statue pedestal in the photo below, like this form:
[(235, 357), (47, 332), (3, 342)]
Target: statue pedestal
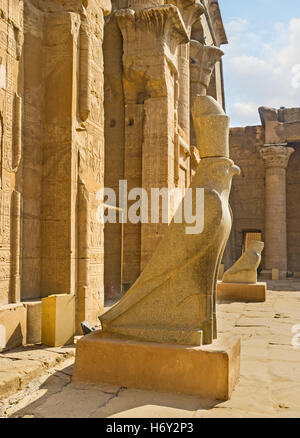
[(209, 371), (243, 292)]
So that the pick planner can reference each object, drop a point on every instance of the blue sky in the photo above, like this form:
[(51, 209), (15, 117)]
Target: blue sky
[(262, 57)]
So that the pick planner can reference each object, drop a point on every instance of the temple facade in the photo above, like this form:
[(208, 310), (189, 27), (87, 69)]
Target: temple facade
[(92, 93), (52, 159), (157, 58), (266, 198)]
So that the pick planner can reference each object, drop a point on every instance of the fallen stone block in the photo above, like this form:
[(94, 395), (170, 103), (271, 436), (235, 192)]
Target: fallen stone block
[(12, 326), (58, 320)]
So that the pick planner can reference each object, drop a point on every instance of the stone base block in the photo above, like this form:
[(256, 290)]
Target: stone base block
[(34, 321), (12, 326), (208, 371), (58, 320), (243, 292)]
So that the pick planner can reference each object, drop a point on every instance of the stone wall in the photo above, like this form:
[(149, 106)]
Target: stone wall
[(148, 99), (247, 195), (11, 98), (269, 158), (59, 147), (52, 152), (293, 210)]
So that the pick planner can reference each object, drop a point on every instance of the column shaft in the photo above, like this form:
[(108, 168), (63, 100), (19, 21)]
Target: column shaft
[(275, 219), (276, 158)]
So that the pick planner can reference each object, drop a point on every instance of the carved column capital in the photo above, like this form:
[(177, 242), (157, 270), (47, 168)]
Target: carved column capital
[(151, 37), (191, 11), (163, 24), (276, 156), (202, 62)]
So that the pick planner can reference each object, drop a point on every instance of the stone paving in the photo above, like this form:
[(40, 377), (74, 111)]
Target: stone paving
[(20, 366), (269, 384), (289, 284)]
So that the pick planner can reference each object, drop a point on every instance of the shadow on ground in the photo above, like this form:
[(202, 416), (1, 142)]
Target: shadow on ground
[(58, 397)]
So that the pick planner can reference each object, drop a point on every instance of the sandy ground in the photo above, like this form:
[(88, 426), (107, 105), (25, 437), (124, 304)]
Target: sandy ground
[(269, 384)]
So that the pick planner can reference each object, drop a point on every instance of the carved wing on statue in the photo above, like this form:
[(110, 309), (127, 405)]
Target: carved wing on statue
[(176, 252)]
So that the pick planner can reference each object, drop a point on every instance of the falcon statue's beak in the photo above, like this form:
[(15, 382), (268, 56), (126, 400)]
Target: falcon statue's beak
[(235, 170)]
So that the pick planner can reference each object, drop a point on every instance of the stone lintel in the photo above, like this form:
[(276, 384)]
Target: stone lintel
[(267, 114), (242, 292), (277, 129), (209, 372), (288, 132), (276, 155)]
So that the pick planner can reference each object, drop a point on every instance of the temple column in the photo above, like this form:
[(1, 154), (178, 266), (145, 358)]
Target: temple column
[(276, 158), (149, 79), (72, 239), (190, 11)]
